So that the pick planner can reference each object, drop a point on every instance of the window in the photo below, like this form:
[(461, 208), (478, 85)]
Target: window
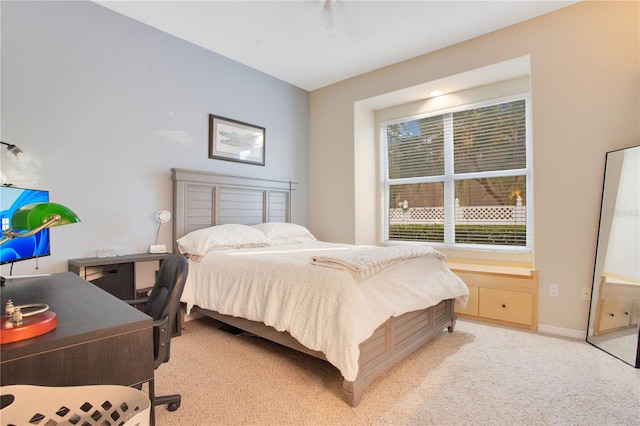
[(459, 179)]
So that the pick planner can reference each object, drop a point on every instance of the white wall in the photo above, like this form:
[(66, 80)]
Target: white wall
[(623, 249), (110, 105), (585, 86)]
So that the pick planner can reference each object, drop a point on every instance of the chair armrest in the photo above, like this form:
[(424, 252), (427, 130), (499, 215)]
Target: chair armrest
[(161, 323), (137, 302)]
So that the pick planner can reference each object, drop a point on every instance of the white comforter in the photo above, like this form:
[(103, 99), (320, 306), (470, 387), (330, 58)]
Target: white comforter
[(325, 309)]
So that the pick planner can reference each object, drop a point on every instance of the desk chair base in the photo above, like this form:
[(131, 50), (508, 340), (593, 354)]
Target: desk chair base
[(171, 401)]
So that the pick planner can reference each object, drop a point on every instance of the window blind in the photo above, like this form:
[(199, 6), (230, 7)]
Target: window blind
[(459, 177)]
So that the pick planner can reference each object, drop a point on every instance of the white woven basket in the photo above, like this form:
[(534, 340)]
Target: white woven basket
[(74, 405)]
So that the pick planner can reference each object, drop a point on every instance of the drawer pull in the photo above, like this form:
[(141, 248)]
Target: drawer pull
[(611, 315), (626, 313), (504, 306)]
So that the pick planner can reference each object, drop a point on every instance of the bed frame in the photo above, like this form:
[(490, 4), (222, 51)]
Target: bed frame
[(203, 199)]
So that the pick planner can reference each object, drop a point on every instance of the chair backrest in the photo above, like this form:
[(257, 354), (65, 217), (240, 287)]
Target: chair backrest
[(164, 299)]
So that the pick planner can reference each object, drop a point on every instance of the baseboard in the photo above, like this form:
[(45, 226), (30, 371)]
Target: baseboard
[(563, 332)]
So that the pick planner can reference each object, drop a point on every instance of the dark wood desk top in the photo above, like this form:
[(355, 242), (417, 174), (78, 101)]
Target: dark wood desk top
[(84, 312)]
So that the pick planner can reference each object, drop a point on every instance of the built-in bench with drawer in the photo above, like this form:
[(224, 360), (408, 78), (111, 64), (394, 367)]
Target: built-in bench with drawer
[(618, 304), (500, 293)]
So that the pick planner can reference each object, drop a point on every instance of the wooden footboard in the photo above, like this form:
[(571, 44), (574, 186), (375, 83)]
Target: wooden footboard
[(390, 343), (395, 340)]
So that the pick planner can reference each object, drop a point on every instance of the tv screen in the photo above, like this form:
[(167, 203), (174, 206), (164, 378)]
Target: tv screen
[(17, 249)]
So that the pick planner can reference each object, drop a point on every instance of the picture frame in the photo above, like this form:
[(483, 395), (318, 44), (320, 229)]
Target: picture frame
[(233, 140)]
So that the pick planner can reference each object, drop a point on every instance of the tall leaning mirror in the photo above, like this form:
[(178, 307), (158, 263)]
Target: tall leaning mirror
[(614, 316)]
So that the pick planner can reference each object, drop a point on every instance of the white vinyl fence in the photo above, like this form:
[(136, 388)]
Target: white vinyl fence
[(465, 215)]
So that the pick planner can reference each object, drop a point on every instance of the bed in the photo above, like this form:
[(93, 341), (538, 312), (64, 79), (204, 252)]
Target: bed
[(354, 307)]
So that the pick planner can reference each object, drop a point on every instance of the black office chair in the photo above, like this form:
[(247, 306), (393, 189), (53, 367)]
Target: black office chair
[(162, 304)]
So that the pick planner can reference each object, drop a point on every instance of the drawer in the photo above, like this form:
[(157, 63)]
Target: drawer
[(472, 304), (116, 279), (504, 305), (615, 313)]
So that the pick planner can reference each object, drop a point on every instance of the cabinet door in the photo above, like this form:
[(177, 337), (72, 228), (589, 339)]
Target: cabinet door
[(504, 305)]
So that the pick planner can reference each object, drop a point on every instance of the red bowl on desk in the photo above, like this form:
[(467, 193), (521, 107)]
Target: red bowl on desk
[(31, 326)]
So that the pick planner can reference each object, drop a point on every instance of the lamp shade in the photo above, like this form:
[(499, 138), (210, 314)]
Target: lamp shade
[(163, 216), (32, 216)]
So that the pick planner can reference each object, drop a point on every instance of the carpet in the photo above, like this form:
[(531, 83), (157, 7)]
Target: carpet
[(479, 374)]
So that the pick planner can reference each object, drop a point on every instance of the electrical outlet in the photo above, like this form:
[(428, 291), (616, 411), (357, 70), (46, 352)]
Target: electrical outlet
[(585, 293), (553, 290)]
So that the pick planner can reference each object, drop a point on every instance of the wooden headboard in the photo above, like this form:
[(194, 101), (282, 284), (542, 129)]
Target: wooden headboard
[(202, 199)]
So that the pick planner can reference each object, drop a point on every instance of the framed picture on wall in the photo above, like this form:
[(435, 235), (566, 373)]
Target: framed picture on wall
[(234, 140)]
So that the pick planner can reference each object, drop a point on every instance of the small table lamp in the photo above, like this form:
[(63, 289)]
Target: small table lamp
[(163, 216)]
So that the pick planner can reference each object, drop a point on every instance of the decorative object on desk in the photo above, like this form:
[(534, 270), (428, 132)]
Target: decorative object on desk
[(233, 140), (101, 253), (163, 216), (22, 322), (28, 220), (33, 218)]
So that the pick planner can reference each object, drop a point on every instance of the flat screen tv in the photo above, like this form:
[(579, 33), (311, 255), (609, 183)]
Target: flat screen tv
[(17, 249)]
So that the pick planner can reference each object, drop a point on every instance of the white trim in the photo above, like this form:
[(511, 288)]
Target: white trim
[(562, 332), (461, 107)]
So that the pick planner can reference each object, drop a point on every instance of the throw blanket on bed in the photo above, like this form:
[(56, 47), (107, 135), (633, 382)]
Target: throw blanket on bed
[(366, 261)]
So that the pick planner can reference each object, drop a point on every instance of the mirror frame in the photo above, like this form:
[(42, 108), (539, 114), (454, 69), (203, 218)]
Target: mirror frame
[(607, 213)]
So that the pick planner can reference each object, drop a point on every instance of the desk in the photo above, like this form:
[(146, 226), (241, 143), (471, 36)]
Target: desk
[(99, 339), (118, 275)]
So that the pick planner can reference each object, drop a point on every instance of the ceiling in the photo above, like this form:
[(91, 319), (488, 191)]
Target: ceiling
[(315, 43)]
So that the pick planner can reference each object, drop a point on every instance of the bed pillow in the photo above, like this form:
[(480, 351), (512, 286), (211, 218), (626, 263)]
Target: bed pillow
[(285, 233), (222, 237)]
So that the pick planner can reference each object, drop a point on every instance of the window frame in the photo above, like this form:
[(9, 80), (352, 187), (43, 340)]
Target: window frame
[(449, 177)]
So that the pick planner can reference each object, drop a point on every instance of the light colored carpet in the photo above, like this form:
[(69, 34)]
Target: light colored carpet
[(622, 344), (480, 375)]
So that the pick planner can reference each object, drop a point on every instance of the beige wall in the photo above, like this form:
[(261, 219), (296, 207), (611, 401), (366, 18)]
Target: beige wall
[(584, 66)]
